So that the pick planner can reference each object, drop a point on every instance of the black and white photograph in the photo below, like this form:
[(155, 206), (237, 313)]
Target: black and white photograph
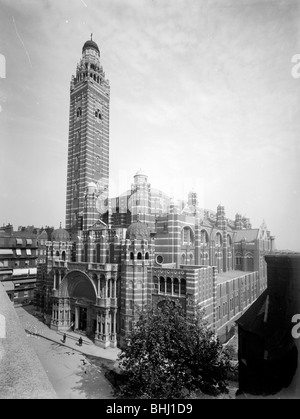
[(149, 202)]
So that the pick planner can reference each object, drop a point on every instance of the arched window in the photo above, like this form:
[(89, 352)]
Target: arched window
[(187, 236), (183, 259), (57, 253), (176, 285), (139, 256), (63, 255), (131, 256), (79, 112), (146, 255), (109, 288), (102, 286), (162, 284), (204, 237), (85, 253), (98, 114), (98, 253), (229, 240), (155, 284), (169, 285), (218, 240), (56, 280), (182, 286), (238, 260)]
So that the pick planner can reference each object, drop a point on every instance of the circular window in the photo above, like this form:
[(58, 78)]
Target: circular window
[(159, 259)]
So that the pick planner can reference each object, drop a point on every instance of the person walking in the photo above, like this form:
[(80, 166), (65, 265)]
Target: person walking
[(64, 338), (80, 341)]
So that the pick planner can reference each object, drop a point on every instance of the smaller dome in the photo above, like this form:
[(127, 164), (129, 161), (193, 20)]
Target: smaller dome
[(91, 188), (140, 173), (60, 235), (90, 44), (43, 235), (140, 177), (138, 231)]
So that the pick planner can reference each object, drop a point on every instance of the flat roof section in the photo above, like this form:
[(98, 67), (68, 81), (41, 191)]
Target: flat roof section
[(226, 276)]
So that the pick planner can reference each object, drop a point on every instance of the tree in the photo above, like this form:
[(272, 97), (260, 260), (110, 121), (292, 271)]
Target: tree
[(169, 356)]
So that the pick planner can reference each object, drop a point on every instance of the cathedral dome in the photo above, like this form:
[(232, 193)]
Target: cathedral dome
[(90, 44), (138, 231), (60, 235), (140, 177), (140, 173)]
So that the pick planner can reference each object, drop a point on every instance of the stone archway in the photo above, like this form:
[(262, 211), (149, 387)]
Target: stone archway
[(78, 288), (77, 284)]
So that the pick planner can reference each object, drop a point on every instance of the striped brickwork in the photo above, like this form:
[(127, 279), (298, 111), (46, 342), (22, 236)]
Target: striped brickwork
[(88, 149)]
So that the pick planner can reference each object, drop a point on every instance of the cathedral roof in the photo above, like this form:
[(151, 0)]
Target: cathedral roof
[(60, 235), (138, 230), (43, 235), (90, 44)]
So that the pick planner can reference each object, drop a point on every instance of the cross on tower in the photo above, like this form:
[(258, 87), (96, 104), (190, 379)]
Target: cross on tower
[(91, 36)]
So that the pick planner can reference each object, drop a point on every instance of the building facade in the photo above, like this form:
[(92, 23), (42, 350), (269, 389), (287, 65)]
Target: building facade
[(117, 255), (18, 264)]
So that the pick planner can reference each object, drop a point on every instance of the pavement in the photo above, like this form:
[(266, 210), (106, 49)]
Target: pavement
[(74, 371), (34, 325)]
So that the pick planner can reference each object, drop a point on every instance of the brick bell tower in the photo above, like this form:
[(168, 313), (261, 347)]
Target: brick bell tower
[(88, 148)]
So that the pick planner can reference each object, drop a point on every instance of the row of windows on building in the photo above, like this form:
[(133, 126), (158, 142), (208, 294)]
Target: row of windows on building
[(234, 301), (139, 256), (188, 238), (84, 75), (42, 252), (167, 285), (57, 254), (21, 294), (98, 113), (20, 241), (6, 263)]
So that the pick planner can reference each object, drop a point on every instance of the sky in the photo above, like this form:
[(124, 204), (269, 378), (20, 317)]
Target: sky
[(203, 98)]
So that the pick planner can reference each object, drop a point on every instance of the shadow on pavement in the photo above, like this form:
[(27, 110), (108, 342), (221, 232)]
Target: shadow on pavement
[(92, 383)]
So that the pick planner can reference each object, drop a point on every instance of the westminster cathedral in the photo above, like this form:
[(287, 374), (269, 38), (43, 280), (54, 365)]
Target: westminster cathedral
[(117, 254)]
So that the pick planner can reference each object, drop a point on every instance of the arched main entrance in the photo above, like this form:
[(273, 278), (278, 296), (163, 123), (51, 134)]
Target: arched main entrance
[(75, 303)]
